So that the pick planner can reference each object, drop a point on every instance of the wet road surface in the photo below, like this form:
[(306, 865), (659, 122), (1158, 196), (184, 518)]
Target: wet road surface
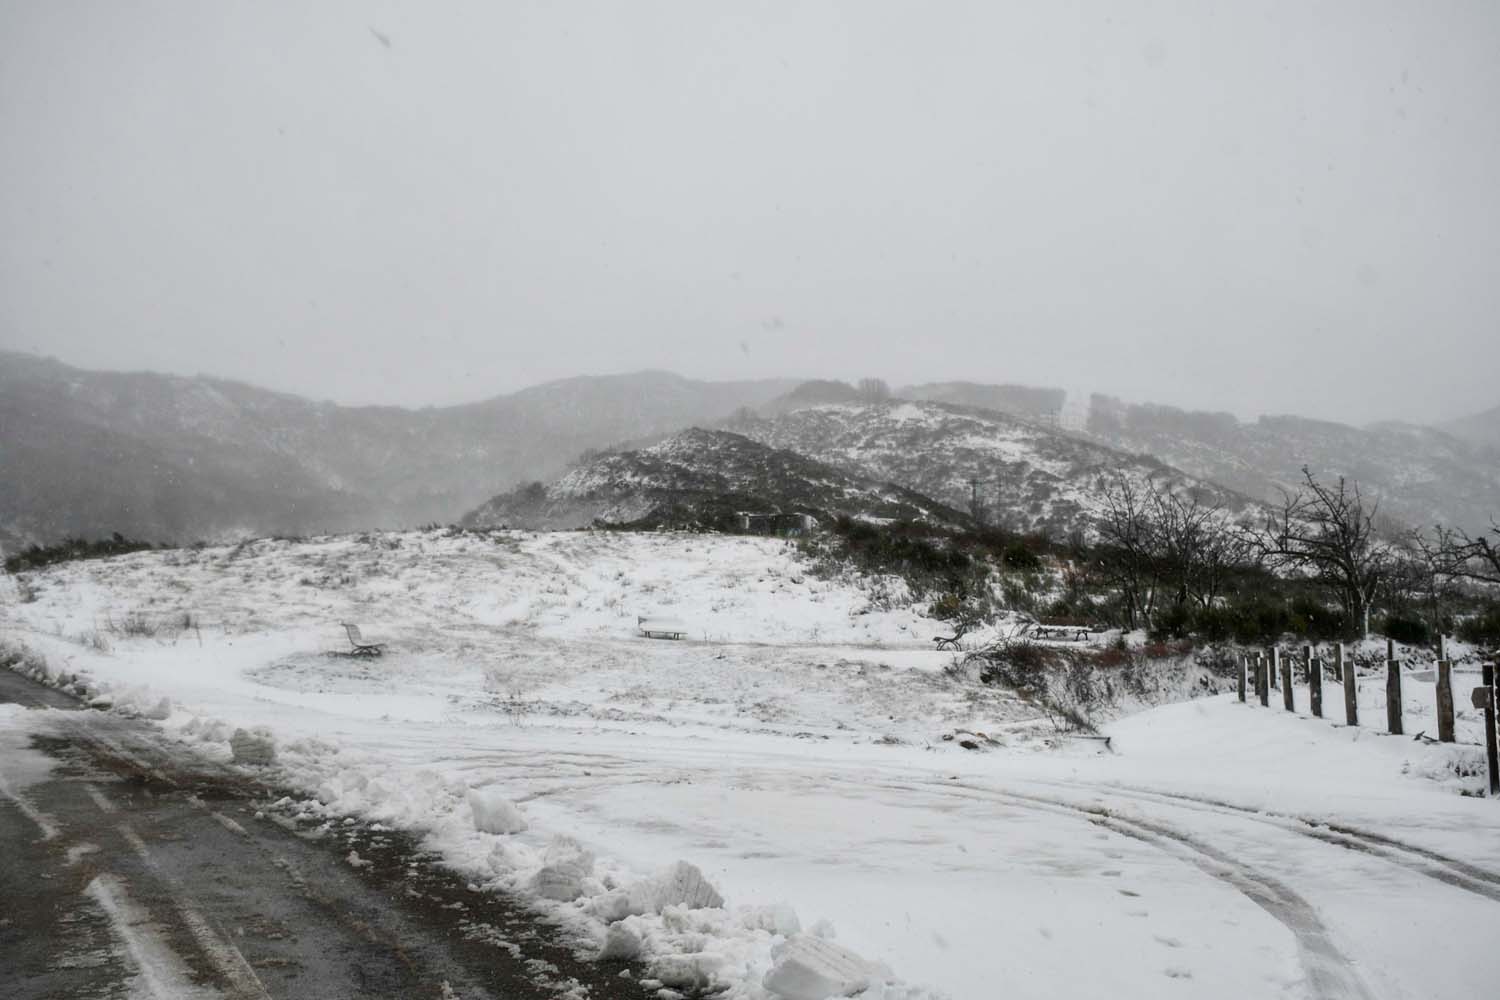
[(133, 871)]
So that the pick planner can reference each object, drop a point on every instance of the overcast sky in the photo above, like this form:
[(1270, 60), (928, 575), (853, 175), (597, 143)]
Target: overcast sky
[(1258, 207)]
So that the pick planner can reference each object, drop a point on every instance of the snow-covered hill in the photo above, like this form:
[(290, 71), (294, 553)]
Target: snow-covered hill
[(1029, 476), (1481, 429), (799, 748), (171, 458), (706, 478), (1420, 475)]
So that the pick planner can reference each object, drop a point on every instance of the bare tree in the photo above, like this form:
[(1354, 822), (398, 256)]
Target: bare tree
[(874, 390), (1196, 548), (1330, 531), (1430, 573), (1457, 554), (1225, 550), (1129, 542)]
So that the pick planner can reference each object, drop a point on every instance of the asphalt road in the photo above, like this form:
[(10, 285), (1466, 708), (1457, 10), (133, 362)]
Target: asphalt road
[(136, 871)]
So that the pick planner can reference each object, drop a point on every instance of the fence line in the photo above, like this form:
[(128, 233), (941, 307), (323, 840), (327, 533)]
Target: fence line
[(1263, 675)]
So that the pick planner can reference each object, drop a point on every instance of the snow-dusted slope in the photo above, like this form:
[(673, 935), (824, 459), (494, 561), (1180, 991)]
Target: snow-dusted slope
[(792, 748), (1481, 429), (706, 478), (1420, 475), (1029, 476), (168, 458)]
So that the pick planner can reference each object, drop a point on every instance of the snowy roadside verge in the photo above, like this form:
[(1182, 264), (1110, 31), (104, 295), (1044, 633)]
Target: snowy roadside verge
[(673, 923)]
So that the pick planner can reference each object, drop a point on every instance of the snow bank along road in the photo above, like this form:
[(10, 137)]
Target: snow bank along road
[(792, 751), (128, 872)]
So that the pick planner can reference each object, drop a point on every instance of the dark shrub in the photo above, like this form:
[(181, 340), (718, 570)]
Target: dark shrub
[(1482, 629), (1017, 556), (73, 548), (1170, 622), (1407, 631)]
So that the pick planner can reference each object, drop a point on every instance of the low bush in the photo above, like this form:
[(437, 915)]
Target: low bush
[(1482, 629), (72, 549), (1407, 631)]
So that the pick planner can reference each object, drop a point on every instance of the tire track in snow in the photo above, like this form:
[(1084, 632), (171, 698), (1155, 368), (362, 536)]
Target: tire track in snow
[(1414, 858), (1330, 973)]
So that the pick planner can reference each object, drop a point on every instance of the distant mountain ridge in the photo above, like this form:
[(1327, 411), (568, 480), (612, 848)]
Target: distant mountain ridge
[(1017, 400), (702, 478), (172, 458), (1479, 429), (1421, 475), (175, 458)]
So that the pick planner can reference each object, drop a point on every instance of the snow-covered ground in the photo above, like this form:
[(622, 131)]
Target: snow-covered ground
[(792, 749)]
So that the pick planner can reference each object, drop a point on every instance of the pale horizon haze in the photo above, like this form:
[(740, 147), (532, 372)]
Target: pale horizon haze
[(1252, 207)]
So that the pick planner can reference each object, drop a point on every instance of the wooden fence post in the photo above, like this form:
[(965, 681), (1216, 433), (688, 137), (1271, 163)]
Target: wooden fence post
[(1262, 681), (1273, 669), (1314, 684), (1287, 696), (1392, 688), (1351, 692), (1445, 701), (1487, 696), (1240, 685)]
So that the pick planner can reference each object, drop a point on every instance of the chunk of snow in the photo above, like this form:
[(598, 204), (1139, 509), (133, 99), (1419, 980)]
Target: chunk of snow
[(255, 746), (779, 918), (687, 972), (559, 882), (681, 885), (611, 906), (493, 813), (810, 968), (161, 710), (622, 941)]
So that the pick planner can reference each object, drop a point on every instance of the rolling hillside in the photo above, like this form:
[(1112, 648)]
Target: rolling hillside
[(702, 478), (1029, 477), (170, 458), (1422, 476)]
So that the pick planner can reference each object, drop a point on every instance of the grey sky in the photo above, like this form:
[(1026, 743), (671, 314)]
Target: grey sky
[(1285, 207)]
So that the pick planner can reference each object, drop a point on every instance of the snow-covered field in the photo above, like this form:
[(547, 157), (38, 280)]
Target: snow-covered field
[(792, 749)]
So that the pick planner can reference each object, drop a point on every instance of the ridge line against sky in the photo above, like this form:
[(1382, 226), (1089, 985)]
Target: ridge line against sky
[(1253, 208), (1076, 399)]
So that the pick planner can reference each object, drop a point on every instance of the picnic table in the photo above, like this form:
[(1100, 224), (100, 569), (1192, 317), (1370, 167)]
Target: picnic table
[(1068, 633)]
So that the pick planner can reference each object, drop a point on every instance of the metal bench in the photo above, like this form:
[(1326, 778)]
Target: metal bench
[(951, 641), (661, 628), (362, 648)]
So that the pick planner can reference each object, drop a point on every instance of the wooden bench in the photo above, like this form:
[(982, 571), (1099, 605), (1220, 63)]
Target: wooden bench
[(362, 648)]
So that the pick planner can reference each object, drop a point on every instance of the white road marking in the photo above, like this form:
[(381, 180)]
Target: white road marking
[(99, 800), (229, 824), (47, 825), (224, 955), (162, 974)]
